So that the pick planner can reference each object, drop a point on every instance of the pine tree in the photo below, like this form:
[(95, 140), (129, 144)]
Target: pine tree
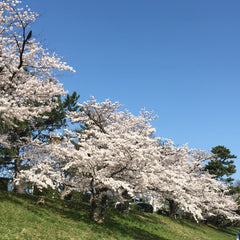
[(222, 164)]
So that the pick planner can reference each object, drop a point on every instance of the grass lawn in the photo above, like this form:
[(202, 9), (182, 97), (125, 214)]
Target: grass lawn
[(21, 218)]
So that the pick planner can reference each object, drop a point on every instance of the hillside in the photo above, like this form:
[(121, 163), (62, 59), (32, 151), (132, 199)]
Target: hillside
[(21, 218)]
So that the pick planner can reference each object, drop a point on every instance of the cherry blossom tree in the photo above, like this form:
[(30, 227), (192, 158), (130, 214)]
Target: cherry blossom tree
[(27, 69), (116, 152), (178, 176), (170, 177), (106, 155), (28, 87)]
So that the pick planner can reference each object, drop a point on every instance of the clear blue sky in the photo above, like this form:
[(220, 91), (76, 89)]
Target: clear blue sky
[(178, 58)]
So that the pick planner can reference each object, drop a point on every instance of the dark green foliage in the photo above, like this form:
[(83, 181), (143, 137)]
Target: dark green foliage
[(38, 128), (163, 212), (6, 156), (80, 196), (56, 119), (4, 184), (222, 165), (143, 207), (135, 208), (235, 189), (123, 207)]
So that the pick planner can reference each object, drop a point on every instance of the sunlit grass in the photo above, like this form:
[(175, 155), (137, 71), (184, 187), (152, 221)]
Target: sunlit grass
[(21, 218)]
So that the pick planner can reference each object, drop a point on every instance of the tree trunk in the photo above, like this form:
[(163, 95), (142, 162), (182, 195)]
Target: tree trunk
[(125, 210), (99, 205), (64, 192), (173, 207), (19, 188)]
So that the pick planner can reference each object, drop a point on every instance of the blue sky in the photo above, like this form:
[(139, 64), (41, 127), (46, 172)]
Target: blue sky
[(178, 58)]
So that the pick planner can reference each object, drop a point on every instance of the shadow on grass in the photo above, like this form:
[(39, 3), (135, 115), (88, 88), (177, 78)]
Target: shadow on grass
[(199, 227), (133, 232), (64, 208), (149, 217), (189, 223), (116, 225), (125, 227), (229, 230)]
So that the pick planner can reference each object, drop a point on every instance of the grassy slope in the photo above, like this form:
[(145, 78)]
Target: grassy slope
[(21, 218)]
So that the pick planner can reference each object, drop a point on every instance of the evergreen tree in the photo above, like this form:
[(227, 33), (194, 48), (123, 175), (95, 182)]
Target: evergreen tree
[(38, 128), (222, 164)]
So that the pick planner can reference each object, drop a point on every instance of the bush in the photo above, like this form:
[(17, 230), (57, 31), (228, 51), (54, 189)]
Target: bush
[(80, 196), (46, 192), (144, 207), (135, 207), (4, 184)]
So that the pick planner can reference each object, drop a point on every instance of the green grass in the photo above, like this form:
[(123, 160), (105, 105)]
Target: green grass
[(21, 218)]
